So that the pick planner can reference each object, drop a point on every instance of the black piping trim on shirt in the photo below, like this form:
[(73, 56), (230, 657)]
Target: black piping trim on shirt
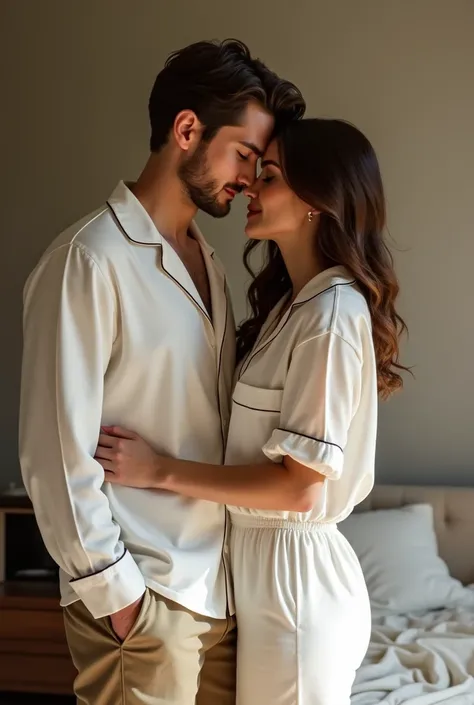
[(168, 274), (74, 580), (226, 518), (137, 242), (220, 364), (333, 286), (140, 242), (293, 306), (184, 290), (253, 408), (311, 438)]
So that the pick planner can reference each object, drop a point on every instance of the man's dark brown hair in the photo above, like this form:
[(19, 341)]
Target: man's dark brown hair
[(217, 80)]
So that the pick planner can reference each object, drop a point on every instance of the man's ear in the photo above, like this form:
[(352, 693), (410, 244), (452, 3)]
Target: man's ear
[(187, 129)]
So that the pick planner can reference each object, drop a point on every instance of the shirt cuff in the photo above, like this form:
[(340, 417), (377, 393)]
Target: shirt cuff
[(112, 589), (321, 456)]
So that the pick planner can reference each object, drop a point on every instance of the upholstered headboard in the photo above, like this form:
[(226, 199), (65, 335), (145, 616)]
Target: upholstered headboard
[(454, 519)]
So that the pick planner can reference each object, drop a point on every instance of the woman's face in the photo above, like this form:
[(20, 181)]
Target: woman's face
[(275, 212)]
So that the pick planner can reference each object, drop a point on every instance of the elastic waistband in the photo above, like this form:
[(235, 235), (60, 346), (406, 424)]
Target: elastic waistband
[(252, 521)]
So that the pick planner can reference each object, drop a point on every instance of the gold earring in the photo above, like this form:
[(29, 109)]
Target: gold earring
[(310, 216)]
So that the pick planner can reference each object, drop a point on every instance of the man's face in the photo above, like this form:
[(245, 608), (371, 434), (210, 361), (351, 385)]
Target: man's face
[(221, 168)]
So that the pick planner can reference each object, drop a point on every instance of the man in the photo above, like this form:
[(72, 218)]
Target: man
[(127, 321)]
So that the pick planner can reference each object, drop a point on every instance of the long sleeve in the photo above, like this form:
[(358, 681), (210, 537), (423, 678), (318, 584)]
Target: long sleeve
[(69, 330)]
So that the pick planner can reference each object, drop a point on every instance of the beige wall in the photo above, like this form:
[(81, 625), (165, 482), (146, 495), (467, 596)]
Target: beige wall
[(74, 86)]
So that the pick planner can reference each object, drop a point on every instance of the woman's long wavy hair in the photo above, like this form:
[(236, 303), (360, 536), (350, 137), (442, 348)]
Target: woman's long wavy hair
[(332, 166)]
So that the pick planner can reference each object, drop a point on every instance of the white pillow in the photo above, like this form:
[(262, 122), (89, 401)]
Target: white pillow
[(398, 552)]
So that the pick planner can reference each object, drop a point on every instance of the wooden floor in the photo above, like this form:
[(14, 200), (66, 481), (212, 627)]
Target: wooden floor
[(32, 699)]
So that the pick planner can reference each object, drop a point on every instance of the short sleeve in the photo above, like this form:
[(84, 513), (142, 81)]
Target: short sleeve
[(320, 397)]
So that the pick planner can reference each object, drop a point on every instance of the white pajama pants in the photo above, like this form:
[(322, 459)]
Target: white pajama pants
[(303, 614)]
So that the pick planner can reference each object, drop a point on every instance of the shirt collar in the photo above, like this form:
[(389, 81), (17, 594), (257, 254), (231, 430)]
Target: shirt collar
[(136, 223), (329, 278)]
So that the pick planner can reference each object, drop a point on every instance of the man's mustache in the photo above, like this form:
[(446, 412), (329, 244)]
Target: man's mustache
[(238, 188)]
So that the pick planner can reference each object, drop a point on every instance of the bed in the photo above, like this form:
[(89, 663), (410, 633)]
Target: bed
[(422, 644)]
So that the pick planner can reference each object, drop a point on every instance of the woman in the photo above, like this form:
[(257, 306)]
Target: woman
[(321, 344)]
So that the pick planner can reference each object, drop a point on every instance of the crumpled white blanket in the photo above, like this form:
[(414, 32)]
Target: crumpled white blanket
[(420, 659)]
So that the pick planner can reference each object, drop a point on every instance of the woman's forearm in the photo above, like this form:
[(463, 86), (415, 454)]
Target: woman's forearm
[(265, 486)]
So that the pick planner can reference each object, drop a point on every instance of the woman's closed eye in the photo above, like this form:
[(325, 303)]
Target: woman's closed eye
[(244, 157)]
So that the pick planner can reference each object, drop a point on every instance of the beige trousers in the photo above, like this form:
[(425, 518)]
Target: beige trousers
[(171, 657)]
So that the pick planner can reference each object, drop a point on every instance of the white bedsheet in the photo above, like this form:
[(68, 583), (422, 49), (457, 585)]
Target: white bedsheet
[(422, 659)]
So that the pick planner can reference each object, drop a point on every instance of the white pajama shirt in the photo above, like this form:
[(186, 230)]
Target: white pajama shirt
[(115, 332), (307, 390)]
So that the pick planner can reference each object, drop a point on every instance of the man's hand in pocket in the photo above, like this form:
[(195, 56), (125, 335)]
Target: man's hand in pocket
[(123, 621)]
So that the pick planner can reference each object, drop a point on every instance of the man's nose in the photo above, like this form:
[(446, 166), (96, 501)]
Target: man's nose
[(247, 175), (251, 191)]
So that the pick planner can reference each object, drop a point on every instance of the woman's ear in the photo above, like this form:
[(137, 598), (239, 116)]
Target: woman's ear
[(312, 213)]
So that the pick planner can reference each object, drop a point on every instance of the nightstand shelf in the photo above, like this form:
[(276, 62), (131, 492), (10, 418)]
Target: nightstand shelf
[(33, 651)]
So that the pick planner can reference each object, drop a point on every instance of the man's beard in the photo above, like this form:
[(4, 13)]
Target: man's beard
[(201, 188)]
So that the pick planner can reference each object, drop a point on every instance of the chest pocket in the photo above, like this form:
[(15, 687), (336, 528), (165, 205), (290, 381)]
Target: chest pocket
[(258, 398), (255, 415)]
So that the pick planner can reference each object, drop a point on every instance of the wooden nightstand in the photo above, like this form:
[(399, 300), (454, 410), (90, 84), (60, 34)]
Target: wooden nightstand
[(33, 651)]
